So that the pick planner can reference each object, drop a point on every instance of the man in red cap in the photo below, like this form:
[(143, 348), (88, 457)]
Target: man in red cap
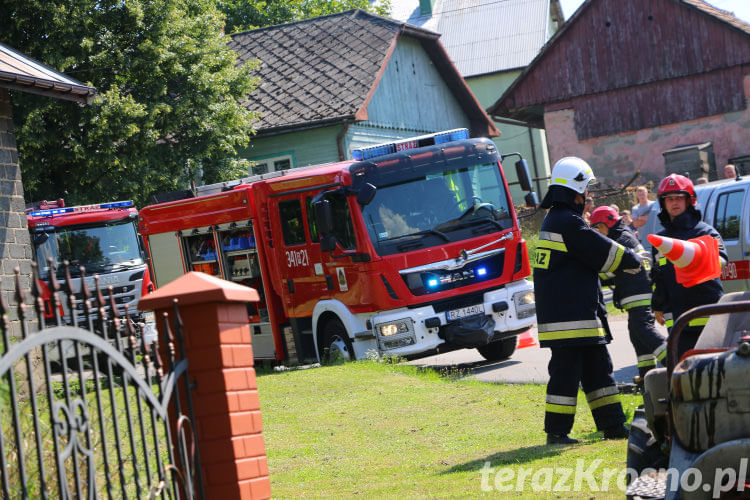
[(681, 220), (632, 292)]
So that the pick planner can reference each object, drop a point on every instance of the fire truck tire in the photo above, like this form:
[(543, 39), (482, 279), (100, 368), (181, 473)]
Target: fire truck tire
[(337, 346), (499, 350), (644, 451)]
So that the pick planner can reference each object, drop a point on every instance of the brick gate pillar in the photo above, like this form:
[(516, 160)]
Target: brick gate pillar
[(225, 396)]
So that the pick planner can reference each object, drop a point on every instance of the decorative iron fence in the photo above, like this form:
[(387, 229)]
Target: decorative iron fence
[(91, 411)]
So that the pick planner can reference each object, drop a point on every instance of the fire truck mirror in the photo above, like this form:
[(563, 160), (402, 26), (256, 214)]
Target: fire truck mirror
[(531, 199), (328, 243), (324, 217), (522, 172), (40, 238), (365, 194)]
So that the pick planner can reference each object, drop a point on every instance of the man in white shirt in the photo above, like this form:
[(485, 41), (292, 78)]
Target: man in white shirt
[(645, 218)]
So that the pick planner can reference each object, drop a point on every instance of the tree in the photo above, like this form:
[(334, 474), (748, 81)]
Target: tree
[(168, 108), (243, 15)]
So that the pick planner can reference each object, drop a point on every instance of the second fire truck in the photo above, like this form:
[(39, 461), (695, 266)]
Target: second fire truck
[(102, 239), (412, 248)]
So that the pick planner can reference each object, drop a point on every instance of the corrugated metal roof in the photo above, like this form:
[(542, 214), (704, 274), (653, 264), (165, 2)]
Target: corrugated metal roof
[(20, 72), (483, 36)]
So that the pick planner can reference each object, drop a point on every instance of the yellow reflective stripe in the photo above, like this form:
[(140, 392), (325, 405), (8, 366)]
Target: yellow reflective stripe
[(662, 261), (607, 400), (633, 298), (572, 334), (553, 408), (560, 180), (647, 362), (553, 245), (637, 303), (668, 323), (698, 322), (616, 251), (661, 352)]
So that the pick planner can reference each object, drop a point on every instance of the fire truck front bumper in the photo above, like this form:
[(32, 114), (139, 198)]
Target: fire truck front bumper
[(420, 331)]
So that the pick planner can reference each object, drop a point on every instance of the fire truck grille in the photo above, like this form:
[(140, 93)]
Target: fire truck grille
[(428, 282), (456, 302)]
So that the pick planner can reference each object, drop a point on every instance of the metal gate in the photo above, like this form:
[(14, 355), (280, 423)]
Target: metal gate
[(92, 411)]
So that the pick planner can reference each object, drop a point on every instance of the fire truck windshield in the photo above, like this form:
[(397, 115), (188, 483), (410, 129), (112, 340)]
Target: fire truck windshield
[(436, 206), (104, 247)]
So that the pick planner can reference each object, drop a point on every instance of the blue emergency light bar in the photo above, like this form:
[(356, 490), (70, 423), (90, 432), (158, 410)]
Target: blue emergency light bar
[(81, 208), (411, 143)]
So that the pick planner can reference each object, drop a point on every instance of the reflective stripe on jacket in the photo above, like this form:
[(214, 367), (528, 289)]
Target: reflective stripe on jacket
[(569, 257), (630, 290)]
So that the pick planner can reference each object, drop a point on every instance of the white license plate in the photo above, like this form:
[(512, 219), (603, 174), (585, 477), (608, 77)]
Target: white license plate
[(465, 312)]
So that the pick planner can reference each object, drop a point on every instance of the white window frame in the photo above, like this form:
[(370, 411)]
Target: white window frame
[(271, 163)]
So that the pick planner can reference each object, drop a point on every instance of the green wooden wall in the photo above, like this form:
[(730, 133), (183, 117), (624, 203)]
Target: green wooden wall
[(488, 89)]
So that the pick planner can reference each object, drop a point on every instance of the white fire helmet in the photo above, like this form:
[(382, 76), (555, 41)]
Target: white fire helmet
[(572, 173)]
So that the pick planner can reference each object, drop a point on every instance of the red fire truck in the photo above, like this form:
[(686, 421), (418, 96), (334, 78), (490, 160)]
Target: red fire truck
[(412, 248), (103, 239)]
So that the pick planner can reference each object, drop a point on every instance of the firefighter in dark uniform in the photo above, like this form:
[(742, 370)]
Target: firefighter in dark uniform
[(681, 220), (571, 316), (632, 292)]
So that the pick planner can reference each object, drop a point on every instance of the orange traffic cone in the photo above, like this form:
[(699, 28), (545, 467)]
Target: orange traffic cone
[(526, 340), (695, 260)]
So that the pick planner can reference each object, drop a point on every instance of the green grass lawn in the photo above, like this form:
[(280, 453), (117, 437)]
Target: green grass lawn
[(378, 430)]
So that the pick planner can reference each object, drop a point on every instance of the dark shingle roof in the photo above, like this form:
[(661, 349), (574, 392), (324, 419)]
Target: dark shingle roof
[(324, 70)]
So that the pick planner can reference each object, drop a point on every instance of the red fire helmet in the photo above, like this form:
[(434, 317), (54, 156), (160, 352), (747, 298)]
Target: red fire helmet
[(604, 215), (674, 184)]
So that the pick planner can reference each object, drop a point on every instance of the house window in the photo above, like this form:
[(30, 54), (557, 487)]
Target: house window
[(271, 164)]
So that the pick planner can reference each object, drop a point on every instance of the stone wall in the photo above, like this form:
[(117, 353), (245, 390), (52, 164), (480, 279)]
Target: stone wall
[(15, 246), (615, 158)]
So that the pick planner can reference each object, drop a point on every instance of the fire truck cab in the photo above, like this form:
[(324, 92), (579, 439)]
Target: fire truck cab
[(412, 248), (103, 240)]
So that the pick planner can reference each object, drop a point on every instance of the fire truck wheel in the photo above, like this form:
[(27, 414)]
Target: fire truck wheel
[(499, 350), (336, 343)]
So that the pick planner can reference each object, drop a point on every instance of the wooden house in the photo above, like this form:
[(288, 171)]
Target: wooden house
[(346, 80), (624, 81)]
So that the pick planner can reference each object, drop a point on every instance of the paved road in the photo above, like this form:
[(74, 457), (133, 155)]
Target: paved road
[(530, 364)]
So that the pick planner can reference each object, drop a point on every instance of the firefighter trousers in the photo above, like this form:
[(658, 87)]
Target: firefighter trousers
[(591, 368), (650, 345)]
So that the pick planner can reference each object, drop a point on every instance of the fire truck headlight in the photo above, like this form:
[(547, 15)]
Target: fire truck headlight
[(525, 304), (393, 328)]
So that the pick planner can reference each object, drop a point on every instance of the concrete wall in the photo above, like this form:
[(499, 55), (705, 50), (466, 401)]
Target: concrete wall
[(615, 158), (15, 247)]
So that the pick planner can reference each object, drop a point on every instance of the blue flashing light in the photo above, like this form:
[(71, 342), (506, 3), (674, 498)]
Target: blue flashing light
[(481, 271), (367, 153), (81, 208), (432, 283), (451, 135), (50, 213), (117, 204)]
